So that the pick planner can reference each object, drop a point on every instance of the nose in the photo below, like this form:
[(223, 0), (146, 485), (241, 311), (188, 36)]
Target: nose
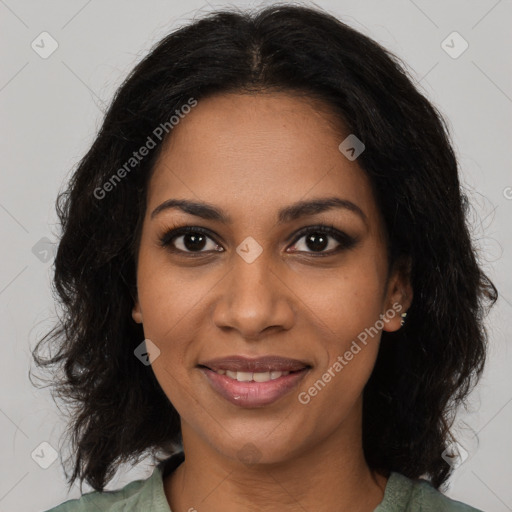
[(253, 300)]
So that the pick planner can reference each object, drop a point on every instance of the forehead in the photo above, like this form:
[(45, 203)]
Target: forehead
[(255, 153)]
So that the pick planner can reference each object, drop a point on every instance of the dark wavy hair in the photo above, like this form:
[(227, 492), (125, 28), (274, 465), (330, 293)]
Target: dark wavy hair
[(423, 372)]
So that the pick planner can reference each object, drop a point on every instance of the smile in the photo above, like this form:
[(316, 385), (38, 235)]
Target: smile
[(250, 389), (255, 376)]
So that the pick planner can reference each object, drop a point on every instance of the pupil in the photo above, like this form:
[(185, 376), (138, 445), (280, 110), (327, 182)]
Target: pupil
[(194, 241), (317, 241)]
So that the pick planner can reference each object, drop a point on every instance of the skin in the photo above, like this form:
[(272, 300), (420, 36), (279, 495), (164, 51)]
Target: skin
[(251, 155)]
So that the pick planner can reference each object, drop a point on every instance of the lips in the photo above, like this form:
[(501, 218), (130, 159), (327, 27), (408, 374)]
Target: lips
[(270, 363), (254, 382)]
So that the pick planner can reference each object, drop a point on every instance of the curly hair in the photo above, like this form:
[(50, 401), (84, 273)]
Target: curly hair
[(423, 371)]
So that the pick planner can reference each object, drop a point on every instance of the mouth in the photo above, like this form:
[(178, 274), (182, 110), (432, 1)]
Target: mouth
[(252, 383), (252, 376)]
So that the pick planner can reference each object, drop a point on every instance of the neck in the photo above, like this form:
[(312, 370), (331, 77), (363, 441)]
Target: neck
[(330, 476)]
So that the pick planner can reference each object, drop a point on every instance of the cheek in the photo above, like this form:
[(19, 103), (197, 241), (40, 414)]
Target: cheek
[(170, 297), (345, 308), (170, 305), (170, 319), (347, 344), (345, 300)]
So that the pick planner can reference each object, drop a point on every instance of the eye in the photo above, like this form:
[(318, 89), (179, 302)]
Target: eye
[(189, 239), (322, 240), (316, 240)]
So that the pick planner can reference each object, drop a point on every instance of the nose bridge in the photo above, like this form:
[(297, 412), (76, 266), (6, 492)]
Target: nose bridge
[(251, 280), (251, 290), (252, 299)]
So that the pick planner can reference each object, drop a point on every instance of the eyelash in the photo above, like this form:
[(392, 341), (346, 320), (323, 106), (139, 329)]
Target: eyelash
[(345, 241)]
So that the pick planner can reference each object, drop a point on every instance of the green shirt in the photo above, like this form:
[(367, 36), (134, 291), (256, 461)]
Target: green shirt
[(401, 495)]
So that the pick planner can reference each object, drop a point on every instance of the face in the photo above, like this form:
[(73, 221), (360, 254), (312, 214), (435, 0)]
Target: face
[(285, 257)]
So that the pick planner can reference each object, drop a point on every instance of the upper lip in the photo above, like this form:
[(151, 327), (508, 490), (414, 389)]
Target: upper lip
[(259, 364)]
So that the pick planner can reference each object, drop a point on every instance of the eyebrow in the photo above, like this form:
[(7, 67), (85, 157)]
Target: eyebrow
[(286, 214)]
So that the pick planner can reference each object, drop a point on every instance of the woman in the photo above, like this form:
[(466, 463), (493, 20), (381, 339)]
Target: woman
[(268, 277)]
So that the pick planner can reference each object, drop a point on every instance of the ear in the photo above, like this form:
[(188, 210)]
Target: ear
[(399, 295), (137, 312)]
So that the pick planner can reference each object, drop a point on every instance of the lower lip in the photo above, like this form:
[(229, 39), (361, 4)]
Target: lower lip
[(253, 394)]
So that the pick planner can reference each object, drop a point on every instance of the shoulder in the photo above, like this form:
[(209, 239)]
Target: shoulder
[(107, 500), (409, 495), (138, 495), (436, 501)]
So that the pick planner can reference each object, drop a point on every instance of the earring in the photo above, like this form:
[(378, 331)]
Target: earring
[(403, 315)]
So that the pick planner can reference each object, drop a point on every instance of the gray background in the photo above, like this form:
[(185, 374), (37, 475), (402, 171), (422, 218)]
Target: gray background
[(51, 109)]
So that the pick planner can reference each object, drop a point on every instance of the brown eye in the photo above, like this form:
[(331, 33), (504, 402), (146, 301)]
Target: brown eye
[(317, 242), (323, 240), (189, 239)]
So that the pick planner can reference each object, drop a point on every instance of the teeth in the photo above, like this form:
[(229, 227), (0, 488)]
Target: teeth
[(261, 377), (244, 376), (230, 374), (252, 376)]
